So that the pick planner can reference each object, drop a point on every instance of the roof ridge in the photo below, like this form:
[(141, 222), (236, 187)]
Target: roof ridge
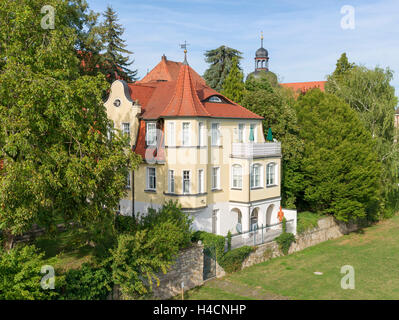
[(185, 101)]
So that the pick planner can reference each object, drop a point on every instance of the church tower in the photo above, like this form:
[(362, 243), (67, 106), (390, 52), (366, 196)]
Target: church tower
[(262, 65), (261, 57)]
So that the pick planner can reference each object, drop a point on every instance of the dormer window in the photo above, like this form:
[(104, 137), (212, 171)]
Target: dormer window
[(215, 99)]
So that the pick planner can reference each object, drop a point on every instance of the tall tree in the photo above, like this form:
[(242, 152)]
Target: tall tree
[(233, 86), (343, 66), (88, 41), (220, 61), (115, 64), (340, 165), (276, 105), (58, 161), (370, 94)]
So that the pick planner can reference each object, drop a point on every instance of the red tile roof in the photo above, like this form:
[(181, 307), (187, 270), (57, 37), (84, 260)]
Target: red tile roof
[(185, 101), (163, 92), (302, 87), (173, 89), (168, 70)]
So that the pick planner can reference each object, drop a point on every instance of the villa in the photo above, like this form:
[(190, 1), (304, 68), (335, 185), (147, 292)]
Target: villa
[(199, 148)]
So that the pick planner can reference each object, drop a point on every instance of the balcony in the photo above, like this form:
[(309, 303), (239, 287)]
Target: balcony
[(256, 150)]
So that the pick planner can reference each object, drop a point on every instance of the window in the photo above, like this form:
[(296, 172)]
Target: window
[(215, 99), (151, 137), (271, 174), (215, 134), (128, 180), (186, 181), (117, 103), (256, 176), (171, 134), (237, 176), (171, 181), (186, 134), (201, 185), (252, 132), (126, 129), (151, 179), (216, 178), (201, 132), (240, 132)]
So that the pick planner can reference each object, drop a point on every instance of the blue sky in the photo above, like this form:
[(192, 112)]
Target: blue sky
[(304, 38)]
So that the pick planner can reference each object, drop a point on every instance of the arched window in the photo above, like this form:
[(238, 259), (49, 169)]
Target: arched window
[(271, 170), (256, 175), (236, 176)]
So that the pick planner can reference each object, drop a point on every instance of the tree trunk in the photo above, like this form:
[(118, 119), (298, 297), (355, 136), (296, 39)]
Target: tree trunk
[(8, 240)]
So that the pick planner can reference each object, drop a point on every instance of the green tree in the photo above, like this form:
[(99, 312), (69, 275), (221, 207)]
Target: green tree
[(343, 67), (340, 165), (276, 105), (115, 64), (220, 60), (58, 161), (233, 86), (141, 255), (370, 94)]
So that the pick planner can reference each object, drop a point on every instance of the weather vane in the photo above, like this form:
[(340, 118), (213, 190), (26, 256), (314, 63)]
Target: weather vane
[(184, 46)]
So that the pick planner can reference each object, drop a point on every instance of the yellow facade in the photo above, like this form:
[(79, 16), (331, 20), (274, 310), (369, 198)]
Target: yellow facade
[(199, 154)]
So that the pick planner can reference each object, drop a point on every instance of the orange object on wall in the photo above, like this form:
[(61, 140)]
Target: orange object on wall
[(280, 214)]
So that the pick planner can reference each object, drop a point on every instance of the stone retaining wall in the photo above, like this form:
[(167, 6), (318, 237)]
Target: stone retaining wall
[(188, 268), (328, 228)]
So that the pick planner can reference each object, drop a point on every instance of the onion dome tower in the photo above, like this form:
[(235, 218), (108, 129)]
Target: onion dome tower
[(262, 65), (261, 57)]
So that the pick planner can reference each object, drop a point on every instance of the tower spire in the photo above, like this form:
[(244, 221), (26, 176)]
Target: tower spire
[(261, 39)]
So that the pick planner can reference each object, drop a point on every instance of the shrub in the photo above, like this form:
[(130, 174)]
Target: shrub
[(170, 212), (229, 241), (87, 283), (125, 224), (307, 220), (20, 275), (284, 241), (232, 260), (140, 256), (211, 241)]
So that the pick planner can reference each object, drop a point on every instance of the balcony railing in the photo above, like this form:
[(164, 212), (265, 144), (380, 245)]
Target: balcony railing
[(256, 150)]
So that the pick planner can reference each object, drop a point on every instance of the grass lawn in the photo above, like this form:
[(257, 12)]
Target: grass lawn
[(70, 255), (373, 252)]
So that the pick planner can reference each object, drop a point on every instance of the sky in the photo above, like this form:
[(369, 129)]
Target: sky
[(304, 38)]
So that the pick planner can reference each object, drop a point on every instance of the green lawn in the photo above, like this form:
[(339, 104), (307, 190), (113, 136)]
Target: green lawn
[(70, 254), (374, 254)]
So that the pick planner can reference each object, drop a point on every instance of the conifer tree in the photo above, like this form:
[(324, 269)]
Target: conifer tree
[(221, 62), (340, 166), (115, 64), (233, 87)]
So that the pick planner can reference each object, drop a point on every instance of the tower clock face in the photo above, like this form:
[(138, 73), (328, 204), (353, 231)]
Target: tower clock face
[(117, 103)]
